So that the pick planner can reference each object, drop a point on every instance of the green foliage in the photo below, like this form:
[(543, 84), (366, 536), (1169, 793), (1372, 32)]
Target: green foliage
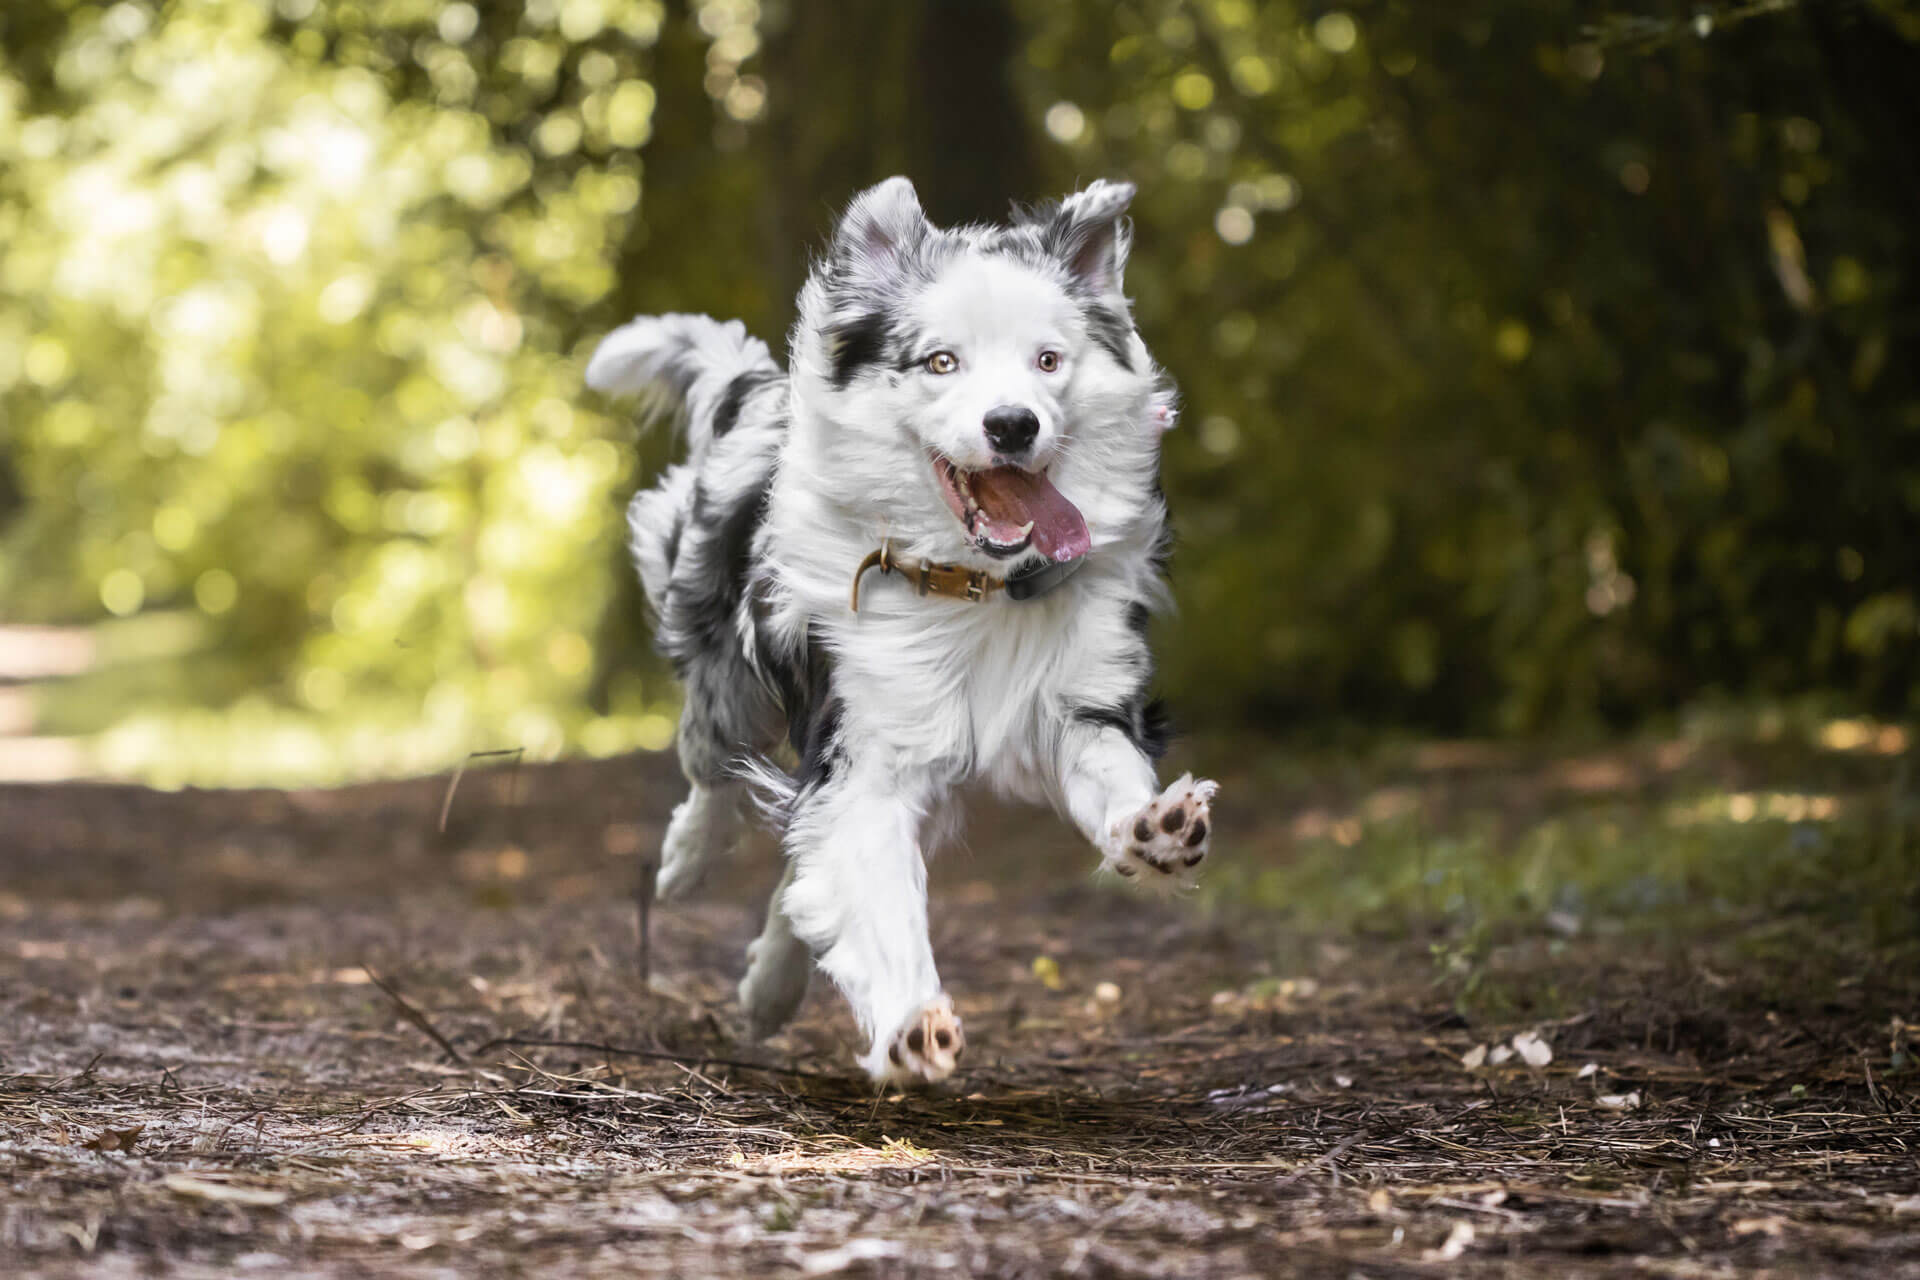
[(1827, 864), (1539, 365), (290, 343), (1534, 373)]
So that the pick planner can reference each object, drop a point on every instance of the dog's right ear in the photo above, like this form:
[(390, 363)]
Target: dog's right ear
[(1090, 235), (881, 226)]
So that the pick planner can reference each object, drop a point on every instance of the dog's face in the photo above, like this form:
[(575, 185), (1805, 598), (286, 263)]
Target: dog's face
[(978, 380)]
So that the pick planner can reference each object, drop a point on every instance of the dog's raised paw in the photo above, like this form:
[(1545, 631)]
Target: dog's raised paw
[(1167, 840), (926, 1047)]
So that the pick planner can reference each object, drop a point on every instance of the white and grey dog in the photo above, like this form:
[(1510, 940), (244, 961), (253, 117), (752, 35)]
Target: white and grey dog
[(972, 413)]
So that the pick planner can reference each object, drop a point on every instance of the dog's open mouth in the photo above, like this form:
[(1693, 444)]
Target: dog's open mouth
[(1006, 510)]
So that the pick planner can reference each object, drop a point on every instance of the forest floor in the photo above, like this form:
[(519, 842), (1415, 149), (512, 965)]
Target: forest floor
[(312, 1034)]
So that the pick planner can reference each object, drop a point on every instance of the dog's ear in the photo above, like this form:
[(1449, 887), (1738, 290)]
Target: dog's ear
[(881, 225), (1090, 234)]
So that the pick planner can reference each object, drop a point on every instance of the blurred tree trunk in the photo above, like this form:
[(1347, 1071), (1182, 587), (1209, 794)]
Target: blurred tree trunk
[(972, 149), (855, 93), (875, 88)]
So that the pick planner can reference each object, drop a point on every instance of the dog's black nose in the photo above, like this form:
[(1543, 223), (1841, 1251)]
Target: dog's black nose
[(1011, 428)]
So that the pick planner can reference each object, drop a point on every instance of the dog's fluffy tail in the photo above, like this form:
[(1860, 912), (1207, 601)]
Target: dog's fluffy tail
[(684, 366)]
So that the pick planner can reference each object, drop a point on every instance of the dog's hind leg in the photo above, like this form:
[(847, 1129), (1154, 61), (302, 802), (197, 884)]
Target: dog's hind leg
[(710, 820), (779, 966), (705, 823)]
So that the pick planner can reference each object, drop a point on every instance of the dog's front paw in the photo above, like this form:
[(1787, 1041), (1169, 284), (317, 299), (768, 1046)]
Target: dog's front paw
[(923, 1049), (1167, 840)]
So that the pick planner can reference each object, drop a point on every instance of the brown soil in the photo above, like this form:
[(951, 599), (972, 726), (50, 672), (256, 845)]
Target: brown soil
[(309, 1034)]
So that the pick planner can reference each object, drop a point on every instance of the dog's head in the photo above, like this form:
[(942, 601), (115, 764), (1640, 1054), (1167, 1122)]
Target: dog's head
[(980, 387)]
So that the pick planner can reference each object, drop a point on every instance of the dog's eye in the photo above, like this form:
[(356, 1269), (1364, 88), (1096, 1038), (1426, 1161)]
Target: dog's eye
[(1049, 361), (942, 362)]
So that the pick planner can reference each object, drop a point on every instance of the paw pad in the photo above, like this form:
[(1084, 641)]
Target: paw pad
[(1169, 837), (927, 1046)]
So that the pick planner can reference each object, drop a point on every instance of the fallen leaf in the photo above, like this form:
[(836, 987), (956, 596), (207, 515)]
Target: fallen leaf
[(224, 1192), (1619, 1101), (1474, 1057), (1047, 970), (1457, 1242), (1107, 993), (1590, 1069), (1499, 1055), (115, 1139), (1533, 1051)]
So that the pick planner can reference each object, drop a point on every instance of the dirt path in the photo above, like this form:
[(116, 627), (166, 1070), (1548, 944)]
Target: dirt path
[(202, 1073)]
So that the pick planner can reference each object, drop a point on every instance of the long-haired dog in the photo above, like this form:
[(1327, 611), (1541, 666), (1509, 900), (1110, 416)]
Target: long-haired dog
[(924, 554)]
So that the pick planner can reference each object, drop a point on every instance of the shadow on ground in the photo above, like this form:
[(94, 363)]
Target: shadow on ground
[(312, 1034)]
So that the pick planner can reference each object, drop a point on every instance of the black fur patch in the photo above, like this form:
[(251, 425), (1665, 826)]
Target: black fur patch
[(1156, 728), (1120, 718), (735, 396), (1156, 723), (805, 684), (1110, 330), (673, 538), (857, 344), (822, 757), (706, 603), (1141, 717)]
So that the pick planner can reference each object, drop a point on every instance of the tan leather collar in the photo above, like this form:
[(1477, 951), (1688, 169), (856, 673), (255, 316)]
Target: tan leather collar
[(955, 581)]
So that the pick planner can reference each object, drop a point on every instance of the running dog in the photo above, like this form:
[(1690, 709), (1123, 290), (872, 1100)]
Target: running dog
[(923, 554)]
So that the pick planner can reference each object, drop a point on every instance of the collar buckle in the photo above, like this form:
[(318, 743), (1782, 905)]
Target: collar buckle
[(957, 582)]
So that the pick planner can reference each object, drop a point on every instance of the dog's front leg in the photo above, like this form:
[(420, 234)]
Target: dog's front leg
[(1146, 835), (858, 898)]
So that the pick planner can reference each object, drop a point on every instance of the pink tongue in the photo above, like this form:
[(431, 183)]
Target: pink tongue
[(1009, 497)]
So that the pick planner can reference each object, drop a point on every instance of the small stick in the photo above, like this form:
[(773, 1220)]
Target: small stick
[(513, 785), (414, 1015), (655, 1055), (1330, 1160), (1872, 1092)]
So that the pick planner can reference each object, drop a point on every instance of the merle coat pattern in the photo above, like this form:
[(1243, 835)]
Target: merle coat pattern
[(975, 396)]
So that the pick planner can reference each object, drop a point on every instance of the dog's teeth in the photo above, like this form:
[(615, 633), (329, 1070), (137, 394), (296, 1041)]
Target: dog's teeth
[(1026, 528)]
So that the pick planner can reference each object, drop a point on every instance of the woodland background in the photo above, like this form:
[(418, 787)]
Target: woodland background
[(1548, 500), (1546, 367)]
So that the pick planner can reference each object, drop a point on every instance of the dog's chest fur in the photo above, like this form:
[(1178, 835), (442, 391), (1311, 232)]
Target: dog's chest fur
[(957, 689)]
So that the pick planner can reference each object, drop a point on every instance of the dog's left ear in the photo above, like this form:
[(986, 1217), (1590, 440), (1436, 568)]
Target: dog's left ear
[(1090, 234)]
